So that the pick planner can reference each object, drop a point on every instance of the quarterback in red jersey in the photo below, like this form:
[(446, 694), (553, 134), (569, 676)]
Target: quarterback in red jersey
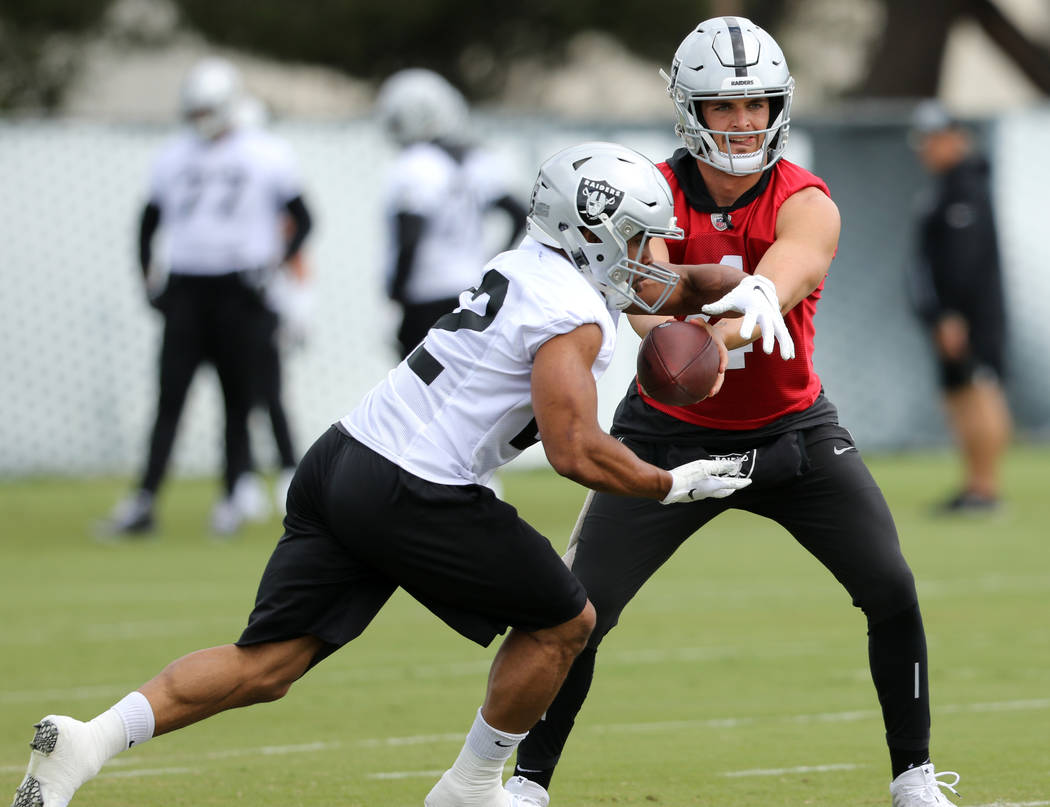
[(740, 203), (741, 236)]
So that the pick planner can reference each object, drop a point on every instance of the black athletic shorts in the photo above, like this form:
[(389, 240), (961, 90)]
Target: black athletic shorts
[(358, 527)]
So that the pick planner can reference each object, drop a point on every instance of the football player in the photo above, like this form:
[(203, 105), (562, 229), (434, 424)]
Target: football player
[(223, 194), (393, 494), (740, 203), (439, 190)]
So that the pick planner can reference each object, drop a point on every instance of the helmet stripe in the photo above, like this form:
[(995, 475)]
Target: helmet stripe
[(736, 37)]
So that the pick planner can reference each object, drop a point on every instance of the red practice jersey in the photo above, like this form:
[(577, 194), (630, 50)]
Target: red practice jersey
[(758, 389)]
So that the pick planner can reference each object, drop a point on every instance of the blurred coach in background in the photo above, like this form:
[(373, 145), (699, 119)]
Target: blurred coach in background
[(958, 294)]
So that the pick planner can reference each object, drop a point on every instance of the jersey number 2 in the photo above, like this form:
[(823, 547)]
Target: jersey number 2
[(424, 365)]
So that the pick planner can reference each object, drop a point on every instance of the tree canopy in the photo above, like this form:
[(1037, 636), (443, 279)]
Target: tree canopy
[(474, 42)]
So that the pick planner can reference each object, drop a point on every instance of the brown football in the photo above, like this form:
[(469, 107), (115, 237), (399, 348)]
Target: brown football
[(677, 363)]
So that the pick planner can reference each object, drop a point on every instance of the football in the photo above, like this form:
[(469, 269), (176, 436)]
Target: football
[(677, 363)]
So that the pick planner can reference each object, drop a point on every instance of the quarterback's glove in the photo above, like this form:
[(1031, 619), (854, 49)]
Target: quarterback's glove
[(704, 479), (756, 298)]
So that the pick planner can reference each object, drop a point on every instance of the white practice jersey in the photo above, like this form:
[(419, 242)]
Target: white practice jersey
[(460, 405), (451, 196), (221, 201)]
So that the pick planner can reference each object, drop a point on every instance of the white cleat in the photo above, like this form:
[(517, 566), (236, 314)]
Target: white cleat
[(921, 787), (65, 755), (526, 793), (132, 516), (453, 790), (250, 497), (226, 517)]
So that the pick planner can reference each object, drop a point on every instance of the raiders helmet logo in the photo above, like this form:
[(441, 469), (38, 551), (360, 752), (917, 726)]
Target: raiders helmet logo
[(594, 197)]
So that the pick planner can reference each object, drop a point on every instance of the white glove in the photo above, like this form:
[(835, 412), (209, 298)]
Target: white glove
[(756, 298), (704, 479)]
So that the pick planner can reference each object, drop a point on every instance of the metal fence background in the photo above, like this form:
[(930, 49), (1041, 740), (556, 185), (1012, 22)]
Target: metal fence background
[(78, 343)]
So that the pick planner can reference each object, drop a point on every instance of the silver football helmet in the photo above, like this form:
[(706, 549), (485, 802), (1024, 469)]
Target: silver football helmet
[(417, 105), (209, 97), (730, 58), (613, 194)]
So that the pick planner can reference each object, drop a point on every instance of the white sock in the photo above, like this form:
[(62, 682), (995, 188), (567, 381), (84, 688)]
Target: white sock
[(492, 744), (136, 717)]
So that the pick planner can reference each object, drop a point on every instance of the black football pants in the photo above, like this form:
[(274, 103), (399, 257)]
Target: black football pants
[(833, 508), (220, 320), (269, 392)]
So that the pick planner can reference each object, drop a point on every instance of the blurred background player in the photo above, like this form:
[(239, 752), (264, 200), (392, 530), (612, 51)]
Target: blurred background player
[(223, 194), (958, 293), (739, 203), (289, 296), (439, 190)]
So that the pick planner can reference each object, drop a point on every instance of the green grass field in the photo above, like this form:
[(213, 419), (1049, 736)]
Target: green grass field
[(737, 677)]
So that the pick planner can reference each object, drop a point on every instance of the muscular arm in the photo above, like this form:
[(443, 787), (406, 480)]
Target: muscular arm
[(698, 285), (565, 401), (797, 262)]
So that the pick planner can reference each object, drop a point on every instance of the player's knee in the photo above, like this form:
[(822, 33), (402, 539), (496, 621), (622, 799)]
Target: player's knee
[(578, 630), (587, 619), (892, 596)]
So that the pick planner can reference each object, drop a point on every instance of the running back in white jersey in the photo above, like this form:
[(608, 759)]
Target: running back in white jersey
[(221, 201), (460, 405), (452, 197)]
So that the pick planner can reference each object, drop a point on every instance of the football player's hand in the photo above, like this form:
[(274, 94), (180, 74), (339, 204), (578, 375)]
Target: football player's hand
[(756, 298), (704, 479), (952, 336), (156, 287), (158, 299)]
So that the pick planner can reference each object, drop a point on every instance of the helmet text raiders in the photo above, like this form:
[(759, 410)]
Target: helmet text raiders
[(589, 201)]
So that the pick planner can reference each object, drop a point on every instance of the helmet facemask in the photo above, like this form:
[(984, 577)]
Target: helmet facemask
[(601, 204), (619, 281), (208, 122)]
